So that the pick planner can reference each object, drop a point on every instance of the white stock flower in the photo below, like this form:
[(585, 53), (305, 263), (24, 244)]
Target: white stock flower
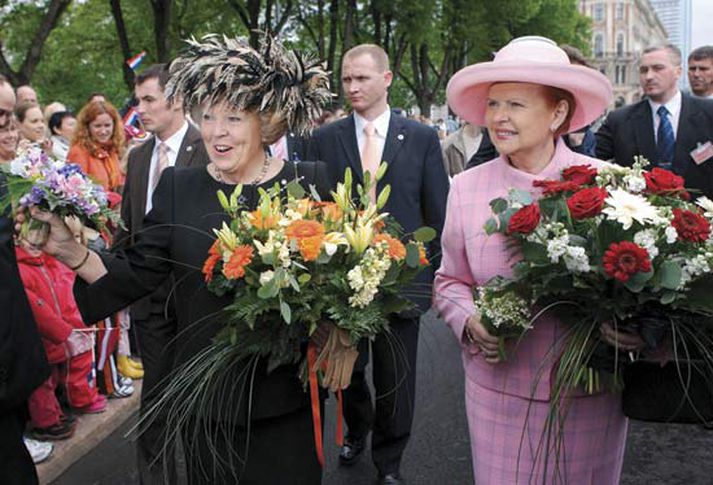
[(647, 240), (634, 183), (556, 248), (576, 259), (625, 208), (671, 234)]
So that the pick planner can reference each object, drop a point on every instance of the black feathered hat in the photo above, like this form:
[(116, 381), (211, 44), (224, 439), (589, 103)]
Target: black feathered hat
[(270, 78)]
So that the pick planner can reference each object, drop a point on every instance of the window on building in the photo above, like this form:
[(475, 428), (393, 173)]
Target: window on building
[(598, 45), (616, 74), (619, 14), (598, 12), (623, 74), (619, 44)]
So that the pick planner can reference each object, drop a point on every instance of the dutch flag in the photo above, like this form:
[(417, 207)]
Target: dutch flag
[(130, 117), (135, 61)]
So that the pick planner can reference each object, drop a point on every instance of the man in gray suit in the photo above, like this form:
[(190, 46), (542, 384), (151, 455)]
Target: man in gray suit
[(174, 142)]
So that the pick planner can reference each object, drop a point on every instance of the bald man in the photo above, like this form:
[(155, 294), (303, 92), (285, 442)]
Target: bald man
[(7, 101), (26, 95)]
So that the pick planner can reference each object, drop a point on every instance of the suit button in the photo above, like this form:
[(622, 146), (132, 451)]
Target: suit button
[(3, 374)]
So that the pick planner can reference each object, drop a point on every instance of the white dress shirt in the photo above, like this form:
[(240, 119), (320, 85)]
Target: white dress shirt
[(381, 127), (674, 109), (173, 143)]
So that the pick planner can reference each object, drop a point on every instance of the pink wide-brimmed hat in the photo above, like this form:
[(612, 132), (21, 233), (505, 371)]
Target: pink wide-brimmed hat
[(535, 60)]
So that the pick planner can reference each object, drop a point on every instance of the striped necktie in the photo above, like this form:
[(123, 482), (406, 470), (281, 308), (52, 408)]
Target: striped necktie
[(665, 140)]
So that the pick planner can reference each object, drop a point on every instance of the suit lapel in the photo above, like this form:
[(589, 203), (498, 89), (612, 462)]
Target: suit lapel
[(347, 137), (188, 147), (643, 125), (688, 134), (395, 138), (140, 182)]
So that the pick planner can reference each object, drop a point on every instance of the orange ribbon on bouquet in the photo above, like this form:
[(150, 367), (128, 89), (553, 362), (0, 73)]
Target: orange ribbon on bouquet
[(314, 398)]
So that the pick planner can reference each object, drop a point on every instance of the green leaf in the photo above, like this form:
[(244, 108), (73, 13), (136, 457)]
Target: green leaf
[(314, 193), (498, 205), (637, 282), (522, 196), (668, 297), (424, 234), (535, 253), (412, 256), (223, 201), (670, 275), (294, 189), (491, 226), (286, 312), (304, 278)]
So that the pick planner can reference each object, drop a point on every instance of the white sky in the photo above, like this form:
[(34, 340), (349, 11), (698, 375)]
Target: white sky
[(701, 32)]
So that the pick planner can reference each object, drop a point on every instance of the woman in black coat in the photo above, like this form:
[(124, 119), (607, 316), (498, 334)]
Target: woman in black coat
[(267, 427)]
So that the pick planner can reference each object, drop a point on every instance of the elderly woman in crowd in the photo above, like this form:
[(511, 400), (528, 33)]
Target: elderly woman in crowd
[(527, 97), (61, 125), (9, 138), (98, 144), (267, 437)]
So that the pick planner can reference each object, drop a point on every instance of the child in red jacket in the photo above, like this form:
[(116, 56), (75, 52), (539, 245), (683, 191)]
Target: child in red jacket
[(48, 284)]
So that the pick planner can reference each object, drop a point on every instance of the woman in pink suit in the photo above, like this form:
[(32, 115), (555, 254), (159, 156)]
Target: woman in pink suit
[(527, 97)]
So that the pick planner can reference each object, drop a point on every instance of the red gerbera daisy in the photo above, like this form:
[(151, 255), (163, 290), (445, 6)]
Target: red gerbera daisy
[(624, 259)]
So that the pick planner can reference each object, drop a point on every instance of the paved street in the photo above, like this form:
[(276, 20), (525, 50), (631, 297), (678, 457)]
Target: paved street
[(439, 451)]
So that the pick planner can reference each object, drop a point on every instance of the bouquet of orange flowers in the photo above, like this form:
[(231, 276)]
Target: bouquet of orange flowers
[(298, 261)]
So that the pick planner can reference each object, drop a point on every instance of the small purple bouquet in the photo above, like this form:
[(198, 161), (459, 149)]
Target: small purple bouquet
[(35, 179)]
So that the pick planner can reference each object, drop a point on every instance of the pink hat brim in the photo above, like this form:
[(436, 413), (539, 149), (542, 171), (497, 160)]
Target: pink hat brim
[(467, 91)]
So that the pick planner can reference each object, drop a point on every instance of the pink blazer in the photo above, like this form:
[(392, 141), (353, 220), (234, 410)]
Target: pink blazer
[(470, 258)]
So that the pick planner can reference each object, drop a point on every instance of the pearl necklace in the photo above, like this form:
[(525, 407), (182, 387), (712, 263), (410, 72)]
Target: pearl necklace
[(265, 166)]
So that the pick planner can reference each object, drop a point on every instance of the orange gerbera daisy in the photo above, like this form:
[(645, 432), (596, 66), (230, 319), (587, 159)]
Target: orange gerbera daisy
[(262, 221), (209, 266), (215, 248), (309, 247), (241, 257), (397, 250), (304, 228)]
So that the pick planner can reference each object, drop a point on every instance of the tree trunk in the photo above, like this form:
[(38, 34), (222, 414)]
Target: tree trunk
[(123, 42), (162, 24), (334, 70), (320, 33), (34, 51), (348, 41)]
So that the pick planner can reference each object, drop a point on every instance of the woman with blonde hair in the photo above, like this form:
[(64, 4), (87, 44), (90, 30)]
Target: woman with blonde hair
[(98, 144)]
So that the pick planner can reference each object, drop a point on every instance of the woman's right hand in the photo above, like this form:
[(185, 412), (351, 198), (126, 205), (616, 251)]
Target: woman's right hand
[(478, 336)]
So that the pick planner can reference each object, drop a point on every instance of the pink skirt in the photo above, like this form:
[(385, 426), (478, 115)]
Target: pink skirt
[(509, 445)]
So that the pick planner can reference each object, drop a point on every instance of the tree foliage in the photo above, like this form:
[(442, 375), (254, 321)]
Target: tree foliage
[(85, 49)]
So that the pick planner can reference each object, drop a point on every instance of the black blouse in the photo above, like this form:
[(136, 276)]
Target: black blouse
[(174, 242)]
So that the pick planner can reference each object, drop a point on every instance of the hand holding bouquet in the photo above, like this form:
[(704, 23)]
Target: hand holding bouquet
[(35, 179)]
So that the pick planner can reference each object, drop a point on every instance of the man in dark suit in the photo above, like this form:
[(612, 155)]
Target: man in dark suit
[(174, 142), (23, 364), (419, 189), (671, 129)]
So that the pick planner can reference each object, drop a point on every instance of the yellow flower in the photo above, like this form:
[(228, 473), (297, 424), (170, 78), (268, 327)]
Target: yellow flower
[(360, 238), (228, 239)]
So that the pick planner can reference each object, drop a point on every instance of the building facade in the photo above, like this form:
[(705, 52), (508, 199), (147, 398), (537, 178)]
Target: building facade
[(621, 29), (675, 15)]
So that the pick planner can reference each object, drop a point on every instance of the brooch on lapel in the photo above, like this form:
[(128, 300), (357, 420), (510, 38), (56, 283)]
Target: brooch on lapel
[(400, 137), (189, 148)]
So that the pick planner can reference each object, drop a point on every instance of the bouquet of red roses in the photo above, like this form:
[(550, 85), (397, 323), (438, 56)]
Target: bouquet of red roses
[(617, 245)]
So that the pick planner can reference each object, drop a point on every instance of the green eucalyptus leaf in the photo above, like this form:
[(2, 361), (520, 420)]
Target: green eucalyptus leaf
[(412, 256), (424, 234), (670, 275), (286, 312), (294, 189), (498, 205), (637, 281), (668, 297), (491, 226), (522, 196)]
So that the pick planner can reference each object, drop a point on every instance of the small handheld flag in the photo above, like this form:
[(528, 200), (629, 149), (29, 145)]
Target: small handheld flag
[(135, 61), (131, 116)]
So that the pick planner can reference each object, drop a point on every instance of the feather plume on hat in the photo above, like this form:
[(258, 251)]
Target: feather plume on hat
[(270, 79)]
